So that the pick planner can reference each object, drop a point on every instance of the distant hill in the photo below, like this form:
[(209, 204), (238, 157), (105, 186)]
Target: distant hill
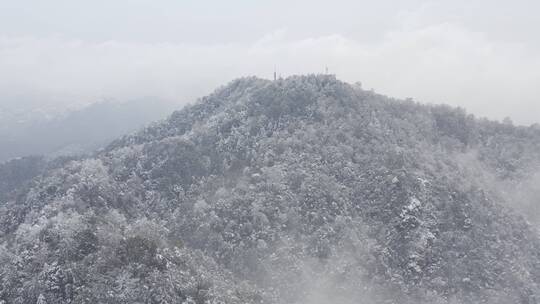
[(78, 131), (302, 190)]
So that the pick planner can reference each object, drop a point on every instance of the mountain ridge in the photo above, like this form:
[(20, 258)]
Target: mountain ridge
[(78, 131), (290, 191)]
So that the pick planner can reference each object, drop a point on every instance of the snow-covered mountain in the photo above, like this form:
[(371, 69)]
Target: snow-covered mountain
[(301, 190)]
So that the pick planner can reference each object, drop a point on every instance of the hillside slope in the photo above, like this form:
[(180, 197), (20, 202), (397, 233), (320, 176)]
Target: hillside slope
[(303, 190)]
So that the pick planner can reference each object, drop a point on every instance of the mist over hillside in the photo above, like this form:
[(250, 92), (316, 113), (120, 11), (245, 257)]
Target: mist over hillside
[(300, 190), (77, 131)]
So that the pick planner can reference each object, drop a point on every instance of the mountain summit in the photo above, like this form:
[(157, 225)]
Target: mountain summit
[(300, 190)]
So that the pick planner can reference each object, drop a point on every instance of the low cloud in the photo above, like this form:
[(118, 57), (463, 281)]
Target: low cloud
[(437, 63)]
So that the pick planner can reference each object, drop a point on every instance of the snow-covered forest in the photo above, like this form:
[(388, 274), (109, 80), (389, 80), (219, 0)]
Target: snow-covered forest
[(300, 190)]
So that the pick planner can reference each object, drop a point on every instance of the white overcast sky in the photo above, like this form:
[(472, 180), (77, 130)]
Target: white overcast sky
[(479, 54)]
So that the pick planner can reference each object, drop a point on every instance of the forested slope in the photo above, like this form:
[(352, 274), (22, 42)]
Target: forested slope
[(302, 190)]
